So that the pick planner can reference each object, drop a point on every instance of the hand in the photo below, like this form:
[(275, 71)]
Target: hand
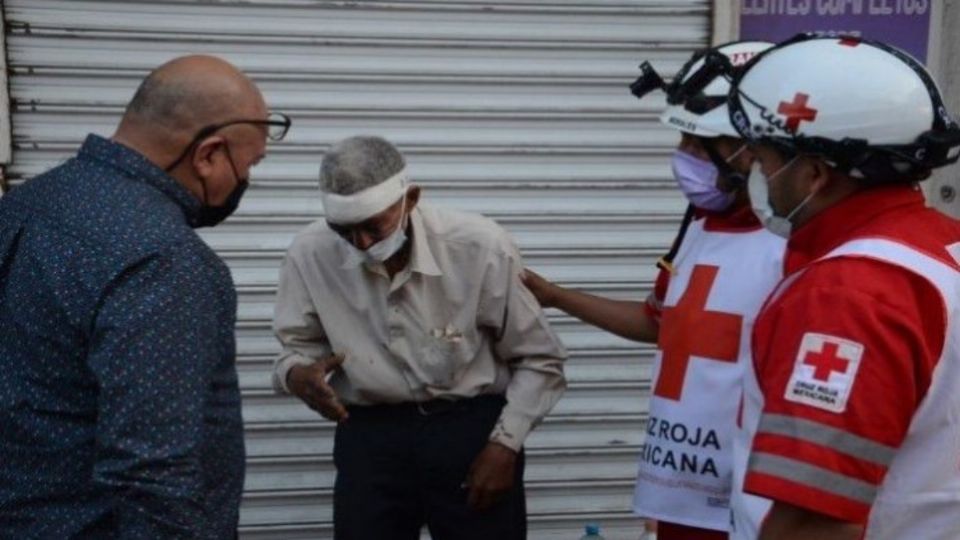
[(309, 383), (544, 290), (490, 476)]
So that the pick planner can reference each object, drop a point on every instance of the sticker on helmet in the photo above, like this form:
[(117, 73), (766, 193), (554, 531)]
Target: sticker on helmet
[(740, 58), (682, 124)]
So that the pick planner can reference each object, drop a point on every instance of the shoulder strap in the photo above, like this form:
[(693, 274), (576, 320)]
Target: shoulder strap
[(666, 262)]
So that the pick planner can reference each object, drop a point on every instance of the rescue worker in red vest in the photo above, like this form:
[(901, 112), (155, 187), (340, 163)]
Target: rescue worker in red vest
[(857, 351), (710, 287)]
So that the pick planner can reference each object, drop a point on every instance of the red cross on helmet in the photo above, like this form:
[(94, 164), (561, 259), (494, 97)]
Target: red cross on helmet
[(867, 108)]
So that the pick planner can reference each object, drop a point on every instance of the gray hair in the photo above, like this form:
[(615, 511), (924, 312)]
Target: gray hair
[(358, 163)]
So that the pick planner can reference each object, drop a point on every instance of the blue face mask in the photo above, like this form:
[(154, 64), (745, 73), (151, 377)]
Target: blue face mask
[(697, 179)]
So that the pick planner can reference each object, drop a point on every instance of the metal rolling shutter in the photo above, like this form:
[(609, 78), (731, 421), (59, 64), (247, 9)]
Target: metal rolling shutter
[(517, 109)]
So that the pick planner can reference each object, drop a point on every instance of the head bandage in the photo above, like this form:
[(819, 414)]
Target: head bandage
[(367, 203)]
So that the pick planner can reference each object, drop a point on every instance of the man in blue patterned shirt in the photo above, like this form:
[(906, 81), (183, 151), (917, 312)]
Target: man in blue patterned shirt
[(119, 404)]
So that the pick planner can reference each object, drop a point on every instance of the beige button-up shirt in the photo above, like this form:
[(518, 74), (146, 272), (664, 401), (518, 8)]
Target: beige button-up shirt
[(455, 323)]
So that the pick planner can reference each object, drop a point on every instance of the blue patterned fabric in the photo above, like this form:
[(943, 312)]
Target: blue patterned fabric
[(119, 404)]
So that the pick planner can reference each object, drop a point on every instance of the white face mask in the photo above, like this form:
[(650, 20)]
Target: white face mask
[(757, 185), (386, 248)]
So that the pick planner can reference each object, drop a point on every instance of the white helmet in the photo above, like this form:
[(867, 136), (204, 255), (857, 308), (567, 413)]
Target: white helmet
[(697, 96), (867, 108)]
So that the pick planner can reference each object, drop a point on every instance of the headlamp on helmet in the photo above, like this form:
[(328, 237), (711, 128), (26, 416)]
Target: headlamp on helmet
[(687, 88), (698, 92)]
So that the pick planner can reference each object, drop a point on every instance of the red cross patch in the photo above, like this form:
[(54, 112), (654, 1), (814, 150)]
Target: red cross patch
[(824, 371), (797, 111)]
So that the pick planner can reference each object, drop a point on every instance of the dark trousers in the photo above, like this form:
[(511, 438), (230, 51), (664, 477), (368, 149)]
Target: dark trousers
[(675, 531), (399, 469)]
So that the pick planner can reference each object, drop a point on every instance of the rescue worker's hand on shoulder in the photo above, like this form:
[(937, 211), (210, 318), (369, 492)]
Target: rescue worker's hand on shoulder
[(544, 290)]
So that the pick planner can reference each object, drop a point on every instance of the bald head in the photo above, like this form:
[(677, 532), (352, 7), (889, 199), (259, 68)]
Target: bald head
[(184, 95)]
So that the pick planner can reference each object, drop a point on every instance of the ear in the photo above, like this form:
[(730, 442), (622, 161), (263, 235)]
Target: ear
[(413, 196), (822, 173), (203, 156)]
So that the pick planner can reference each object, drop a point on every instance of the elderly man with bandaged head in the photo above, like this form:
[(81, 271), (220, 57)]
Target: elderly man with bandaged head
[(409, 326)]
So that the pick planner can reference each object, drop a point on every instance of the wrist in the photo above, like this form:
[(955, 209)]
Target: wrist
[(556, 296), (294, 377), (500, 447)]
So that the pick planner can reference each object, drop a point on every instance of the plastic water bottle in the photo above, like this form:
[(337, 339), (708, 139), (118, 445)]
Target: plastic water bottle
[(592, 532)]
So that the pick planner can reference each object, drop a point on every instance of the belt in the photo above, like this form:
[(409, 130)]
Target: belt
[(431, 407)]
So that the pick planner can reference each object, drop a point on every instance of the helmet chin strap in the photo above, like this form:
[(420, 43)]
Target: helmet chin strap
[(722, 164)]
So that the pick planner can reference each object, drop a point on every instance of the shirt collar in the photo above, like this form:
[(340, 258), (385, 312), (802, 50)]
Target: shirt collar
[(841, 221), (421, 257), (135, 166)]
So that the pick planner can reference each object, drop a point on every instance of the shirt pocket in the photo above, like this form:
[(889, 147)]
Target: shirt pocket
[(445, 352)]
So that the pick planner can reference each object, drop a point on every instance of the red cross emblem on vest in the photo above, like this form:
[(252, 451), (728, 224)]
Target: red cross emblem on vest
[(826, 362), (797, 111), (824, 371), (689, 329)]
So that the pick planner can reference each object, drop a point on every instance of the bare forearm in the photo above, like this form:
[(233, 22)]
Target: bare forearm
[(628, 319)]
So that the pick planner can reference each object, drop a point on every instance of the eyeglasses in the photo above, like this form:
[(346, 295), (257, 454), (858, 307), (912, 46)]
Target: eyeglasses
[(277, 123), (349, 232)]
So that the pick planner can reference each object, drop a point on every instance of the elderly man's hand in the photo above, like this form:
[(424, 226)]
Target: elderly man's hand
[(490, 476), (309, 383)]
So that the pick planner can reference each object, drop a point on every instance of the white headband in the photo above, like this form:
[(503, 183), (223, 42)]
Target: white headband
[(367, 203)]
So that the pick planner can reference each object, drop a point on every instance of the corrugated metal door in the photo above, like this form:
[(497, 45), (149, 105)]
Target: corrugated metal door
[(514, 108)]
